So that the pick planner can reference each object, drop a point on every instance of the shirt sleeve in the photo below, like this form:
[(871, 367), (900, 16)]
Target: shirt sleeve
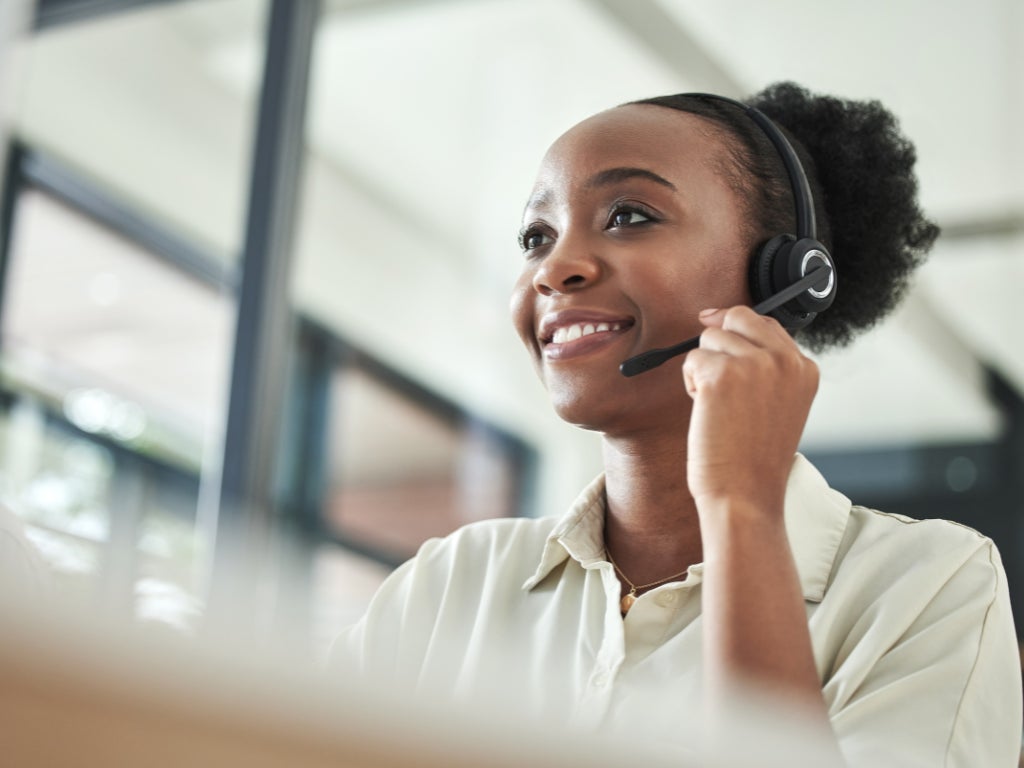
[(947, 690), (987, 726)]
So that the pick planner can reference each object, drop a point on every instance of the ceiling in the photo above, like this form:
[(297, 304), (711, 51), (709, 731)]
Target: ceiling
[(427, 120)]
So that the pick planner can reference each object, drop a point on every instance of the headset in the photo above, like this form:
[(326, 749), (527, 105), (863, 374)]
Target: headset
[(792, 277)]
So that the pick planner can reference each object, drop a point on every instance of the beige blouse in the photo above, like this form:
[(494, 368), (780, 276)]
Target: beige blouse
[(910, 623)]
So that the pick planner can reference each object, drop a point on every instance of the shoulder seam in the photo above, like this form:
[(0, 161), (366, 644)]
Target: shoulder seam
[(903, 520)]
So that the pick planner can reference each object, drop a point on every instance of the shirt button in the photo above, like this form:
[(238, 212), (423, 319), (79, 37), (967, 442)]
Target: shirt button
[(665, 599), (600, 680)]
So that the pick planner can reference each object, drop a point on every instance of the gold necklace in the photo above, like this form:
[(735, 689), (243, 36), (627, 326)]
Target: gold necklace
[(630, 597)]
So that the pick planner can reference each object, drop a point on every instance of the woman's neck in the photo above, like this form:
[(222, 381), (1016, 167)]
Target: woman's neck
[(651, 527)]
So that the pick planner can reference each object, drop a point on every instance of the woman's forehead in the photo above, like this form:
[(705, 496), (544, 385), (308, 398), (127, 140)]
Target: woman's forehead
[(665, 141)]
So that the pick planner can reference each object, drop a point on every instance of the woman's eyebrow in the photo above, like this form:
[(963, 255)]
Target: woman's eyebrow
[(615, 175), (539, 199), (542, 197)]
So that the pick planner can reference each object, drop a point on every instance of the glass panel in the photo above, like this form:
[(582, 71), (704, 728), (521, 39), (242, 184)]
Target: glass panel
[(400, 472), (116, 363), (142, 102), (138, 351), (171, 553), (61, 486)]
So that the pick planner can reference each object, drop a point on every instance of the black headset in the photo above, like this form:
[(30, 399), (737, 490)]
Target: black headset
[(792, 277)]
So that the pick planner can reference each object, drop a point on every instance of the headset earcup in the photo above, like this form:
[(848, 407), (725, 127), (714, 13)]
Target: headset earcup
[(761, 267), (783, 261), (803, 257), (766, 279)]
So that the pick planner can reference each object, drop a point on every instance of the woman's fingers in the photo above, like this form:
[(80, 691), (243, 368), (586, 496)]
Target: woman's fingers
[(742, 321), (740, 344)]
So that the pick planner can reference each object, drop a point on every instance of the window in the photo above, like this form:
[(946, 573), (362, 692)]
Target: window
[(401, 471), (114, 366)]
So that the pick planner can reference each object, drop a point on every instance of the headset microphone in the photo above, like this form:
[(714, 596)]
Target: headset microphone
[(821, 275), (792, 278)]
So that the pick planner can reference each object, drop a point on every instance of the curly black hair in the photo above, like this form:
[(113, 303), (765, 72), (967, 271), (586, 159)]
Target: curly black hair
[(861, 172)]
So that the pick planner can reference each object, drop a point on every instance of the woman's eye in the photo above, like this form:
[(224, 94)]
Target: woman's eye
[(626, 217), (531, 239)]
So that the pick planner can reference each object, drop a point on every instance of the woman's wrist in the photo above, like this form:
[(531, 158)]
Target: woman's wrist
[(733, 523)]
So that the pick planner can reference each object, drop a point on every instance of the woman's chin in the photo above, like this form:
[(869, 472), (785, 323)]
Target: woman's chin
[(605, 415), (572, 413)]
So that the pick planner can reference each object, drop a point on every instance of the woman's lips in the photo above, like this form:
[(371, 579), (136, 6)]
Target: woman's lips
[(572, 339)]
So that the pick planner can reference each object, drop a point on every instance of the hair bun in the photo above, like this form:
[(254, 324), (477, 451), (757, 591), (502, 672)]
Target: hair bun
[(865, 167)]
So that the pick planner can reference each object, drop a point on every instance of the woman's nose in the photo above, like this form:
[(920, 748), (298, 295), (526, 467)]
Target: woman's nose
[(567, 267)]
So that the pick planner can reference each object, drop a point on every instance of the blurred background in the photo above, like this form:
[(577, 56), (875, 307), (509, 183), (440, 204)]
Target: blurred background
[(255, 258)]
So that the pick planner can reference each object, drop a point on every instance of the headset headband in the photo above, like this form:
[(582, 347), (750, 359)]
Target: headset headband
[(806, 225)]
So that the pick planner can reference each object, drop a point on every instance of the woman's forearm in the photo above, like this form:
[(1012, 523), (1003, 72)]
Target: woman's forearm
[(756, 638)]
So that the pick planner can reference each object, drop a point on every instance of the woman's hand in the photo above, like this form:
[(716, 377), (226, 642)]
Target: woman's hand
[(752, 389)]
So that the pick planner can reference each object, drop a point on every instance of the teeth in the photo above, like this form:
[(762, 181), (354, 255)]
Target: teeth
[(573, 332)]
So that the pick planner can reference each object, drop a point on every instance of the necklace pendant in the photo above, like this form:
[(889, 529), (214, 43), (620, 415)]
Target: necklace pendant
[(627, 602)]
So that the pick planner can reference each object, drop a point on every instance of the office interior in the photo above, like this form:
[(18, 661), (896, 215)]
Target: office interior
[(255, 258)]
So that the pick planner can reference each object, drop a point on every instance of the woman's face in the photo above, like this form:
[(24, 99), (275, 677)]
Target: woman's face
[(629, 232)]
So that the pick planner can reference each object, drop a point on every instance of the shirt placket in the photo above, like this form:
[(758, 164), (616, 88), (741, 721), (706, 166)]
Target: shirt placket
[(598, 690)]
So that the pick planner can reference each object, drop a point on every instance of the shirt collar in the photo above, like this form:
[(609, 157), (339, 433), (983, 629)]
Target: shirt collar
[(816, 518)]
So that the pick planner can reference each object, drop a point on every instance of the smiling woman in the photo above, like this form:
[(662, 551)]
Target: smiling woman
[(710, 562)]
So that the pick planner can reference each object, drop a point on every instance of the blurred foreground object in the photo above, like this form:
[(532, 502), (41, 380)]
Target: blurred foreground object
[(126, 698), (120, 696)]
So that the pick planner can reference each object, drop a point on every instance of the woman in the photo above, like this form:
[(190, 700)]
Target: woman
[(710, 558)]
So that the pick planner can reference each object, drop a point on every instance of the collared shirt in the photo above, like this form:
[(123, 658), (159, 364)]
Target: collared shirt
[(910, 624)]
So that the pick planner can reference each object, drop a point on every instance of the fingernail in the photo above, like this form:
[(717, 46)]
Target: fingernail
[(707, 312)]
